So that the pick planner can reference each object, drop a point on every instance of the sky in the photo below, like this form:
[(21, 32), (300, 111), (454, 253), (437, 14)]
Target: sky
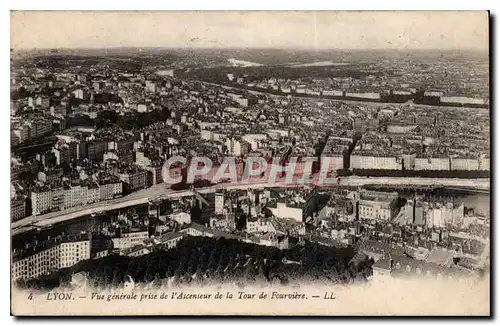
[(308, 30)]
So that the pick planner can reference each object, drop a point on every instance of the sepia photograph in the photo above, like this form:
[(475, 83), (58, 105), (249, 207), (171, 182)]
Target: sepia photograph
[(250, 163)]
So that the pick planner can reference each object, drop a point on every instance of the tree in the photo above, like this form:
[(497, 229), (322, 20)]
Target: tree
[(223, 259), (396, 205)]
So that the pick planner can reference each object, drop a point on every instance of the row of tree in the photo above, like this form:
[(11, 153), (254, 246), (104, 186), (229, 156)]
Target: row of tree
[(108, 118), (413, 173), (202, 259), (258, 73)]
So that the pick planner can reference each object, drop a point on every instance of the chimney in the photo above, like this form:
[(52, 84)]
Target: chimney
[(413, 209)]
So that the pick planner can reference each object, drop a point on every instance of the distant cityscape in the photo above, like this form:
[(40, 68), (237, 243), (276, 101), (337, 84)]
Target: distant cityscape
[(404, 137)]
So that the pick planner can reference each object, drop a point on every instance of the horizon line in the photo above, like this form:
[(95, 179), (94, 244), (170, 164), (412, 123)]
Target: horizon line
[(249, 48)]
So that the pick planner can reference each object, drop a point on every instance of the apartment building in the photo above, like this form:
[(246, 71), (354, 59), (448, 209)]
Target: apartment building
[(432, 163), (134, 179), (130, 239), (375, 205), (17, 209), (45, 199), (375, 162), (39, 261)]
